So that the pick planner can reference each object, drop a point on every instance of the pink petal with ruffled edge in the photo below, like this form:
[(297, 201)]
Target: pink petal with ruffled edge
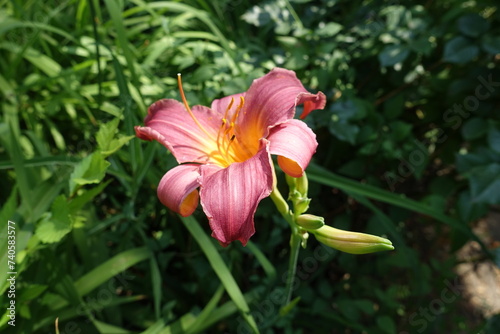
[(169, 123), (272, 99), (294, 143), (177, 189), (230, 196)]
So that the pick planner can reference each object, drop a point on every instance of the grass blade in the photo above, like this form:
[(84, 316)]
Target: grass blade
[(220, 268), (110, 268)]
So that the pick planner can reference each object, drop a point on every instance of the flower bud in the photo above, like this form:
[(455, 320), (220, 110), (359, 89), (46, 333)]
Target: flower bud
[(351, 242), (310, 222), (302, 184)]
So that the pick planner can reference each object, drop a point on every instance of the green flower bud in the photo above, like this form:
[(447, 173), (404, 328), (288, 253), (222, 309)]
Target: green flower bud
[(302, 184), (310, 222), (351, 242), (301, 204)]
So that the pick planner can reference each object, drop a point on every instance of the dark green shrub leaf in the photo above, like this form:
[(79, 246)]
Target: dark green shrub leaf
[(485, 184), (472, 25), (344, 130), (491, 44), (494, 138), (474, 128), (460, 50), (393, 54), (386, 324)]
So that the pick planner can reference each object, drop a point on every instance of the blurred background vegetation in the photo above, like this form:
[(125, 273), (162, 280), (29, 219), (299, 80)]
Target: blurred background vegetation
[(409, 148)]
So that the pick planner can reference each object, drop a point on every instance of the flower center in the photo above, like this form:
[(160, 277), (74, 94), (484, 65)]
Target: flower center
[(230, 146)]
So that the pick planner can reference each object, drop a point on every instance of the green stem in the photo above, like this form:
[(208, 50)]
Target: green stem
[(282, 206), (295, 241)]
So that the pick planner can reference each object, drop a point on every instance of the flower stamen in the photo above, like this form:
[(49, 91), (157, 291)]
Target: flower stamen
[(186, 105)]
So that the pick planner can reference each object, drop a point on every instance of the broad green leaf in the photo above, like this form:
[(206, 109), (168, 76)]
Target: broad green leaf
[(460, 50), (328, 30), (386, 324), (393, 54), (469, 210), (56, 224), (106, 133), (494, 137), (473, 25), (350, 109), (491, 44), (91, 169), (474, 128), (106, 140), (485, 184), (344, 130), (79, 201)]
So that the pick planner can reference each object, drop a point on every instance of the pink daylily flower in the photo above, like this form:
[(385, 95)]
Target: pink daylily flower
[(225, 150)]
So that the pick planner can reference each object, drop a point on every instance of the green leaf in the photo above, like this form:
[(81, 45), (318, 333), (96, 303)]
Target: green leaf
[(344, 131), (469, 210), (289, 307), (264, 262), (493, 324), (106, 133), (485, 184), (394, 106), (57, 223), (203, 317), (220, 268), (393, 54), (386, 324), (350, 109), (90, 170), (491, 44), (328, 30), (460, 50), (106, 140), (474, 128), (400, 130), (79, 201), (111, 268), (472, 25), (494, 137)]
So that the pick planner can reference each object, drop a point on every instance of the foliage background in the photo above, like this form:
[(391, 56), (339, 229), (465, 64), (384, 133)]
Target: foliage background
[(409, 148)]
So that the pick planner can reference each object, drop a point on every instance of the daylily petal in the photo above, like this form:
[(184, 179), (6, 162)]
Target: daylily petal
[(272, 99), (230, 196), (169, 123), (294, 143), (221, 105), (177, 189)]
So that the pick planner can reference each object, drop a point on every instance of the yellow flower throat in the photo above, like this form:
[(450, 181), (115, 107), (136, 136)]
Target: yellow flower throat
[(227, 147)]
